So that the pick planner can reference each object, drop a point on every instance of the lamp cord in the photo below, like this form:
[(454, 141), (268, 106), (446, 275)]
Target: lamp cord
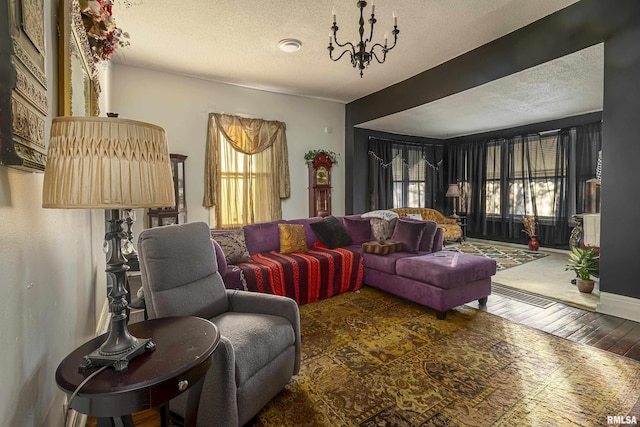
[(67, 406)]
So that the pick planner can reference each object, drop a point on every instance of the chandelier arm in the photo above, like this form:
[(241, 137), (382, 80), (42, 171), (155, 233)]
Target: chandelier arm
[(341, 55), (335, 39), (395, 37), (384, 53), (372, 21)]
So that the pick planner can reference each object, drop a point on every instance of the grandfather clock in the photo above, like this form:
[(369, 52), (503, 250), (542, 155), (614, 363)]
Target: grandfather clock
[(320, 185)]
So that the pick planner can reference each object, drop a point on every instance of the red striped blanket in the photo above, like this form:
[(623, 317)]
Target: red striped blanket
[(312, 276)]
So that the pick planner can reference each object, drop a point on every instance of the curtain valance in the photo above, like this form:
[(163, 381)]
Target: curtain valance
[(249, 136)]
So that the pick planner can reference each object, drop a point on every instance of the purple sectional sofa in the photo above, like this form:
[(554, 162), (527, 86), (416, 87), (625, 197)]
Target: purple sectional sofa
[(422, 272)]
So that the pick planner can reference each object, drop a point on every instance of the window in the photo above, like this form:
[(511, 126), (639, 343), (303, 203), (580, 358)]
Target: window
[(492, 184), (535, 173), (246, 170), (409, 177)]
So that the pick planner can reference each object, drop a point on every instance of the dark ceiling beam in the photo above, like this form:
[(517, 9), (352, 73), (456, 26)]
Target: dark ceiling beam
[(583, 24)]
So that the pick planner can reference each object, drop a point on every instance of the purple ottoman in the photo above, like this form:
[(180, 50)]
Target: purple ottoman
[(448, 279)]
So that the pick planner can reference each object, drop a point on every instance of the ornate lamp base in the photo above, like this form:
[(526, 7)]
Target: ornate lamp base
[(120, 361), (120, 347)]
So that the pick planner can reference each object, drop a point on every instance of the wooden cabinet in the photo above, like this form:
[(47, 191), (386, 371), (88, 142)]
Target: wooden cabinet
[(176, 214)]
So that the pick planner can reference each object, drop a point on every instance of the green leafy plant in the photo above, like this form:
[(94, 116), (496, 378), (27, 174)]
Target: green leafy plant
[(583, 262), (311, 154)]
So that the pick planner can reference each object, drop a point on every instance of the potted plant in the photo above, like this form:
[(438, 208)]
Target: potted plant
[(584, 262), (311, 154)]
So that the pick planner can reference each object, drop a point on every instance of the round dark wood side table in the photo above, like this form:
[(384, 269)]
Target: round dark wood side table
[(182, 357)]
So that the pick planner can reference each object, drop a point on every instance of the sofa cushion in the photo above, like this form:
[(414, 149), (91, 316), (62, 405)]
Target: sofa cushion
[(409, 233), (385, 263), (358, 228), (292, 238), (331, 232), (263, 237), (233, 245), (447, 269)]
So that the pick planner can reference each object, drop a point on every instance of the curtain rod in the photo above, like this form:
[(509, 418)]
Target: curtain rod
[(420, 144)]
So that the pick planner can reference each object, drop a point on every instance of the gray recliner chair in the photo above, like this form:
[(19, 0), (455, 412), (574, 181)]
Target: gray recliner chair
[(259, 350)]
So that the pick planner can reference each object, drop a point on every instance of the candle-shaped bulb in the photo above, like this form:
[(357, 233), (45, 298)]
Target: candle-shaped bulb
[(395, 18), (373, 8), (333, 12), (386, 36)]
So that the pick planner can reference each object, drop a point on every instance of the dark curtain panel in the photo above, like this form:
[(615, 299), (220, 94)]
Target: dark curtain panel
[(435, 187), (469, 161), (537, 175), (588, 143), (380, 187)]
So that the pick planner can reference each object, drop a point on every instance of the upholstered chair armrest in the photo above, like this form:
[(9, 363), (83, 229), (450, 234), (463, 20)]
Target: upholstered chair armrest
[(253, 302), (449, 221), (221, 406)]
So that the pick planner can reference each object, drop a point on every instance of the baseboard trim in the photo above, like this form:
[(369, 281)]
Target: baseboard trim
[(619, 306)]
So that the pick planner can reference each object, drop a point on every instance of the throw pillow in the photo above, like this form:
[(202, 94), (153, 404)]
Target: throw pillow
[(359, 229), (233, 245), (382, 214), (414, 216), (220, 258), (382, 229), (331, 232), (292, 238), (430, 228), (409, 233)]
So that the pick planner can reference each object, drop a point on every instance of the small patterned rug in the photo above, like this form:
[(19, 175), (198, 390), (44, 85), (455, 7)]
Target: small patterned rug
[(372, 359), (505, 256)]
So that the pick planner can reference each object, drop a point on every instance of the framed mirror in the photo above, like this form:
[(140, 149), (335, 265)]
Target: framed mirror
[(79, 84)]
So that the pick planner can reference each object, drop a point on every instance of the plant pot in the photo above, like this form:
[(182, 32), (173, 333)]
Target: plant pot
[(585, 285), (534, 245)]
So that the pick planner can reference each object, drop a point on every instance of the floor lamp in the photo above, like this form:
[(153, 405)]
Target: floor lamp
[(109, 163), (453, 191)]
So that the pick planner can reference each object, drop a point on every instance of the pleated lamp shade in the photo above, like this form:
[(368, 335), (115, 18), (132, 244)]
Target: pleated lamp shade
[(107, 163), (453, 191)]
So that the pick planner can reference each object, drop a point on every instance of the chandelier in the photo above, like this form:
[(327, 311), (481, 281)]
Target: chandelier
[(360, 57)]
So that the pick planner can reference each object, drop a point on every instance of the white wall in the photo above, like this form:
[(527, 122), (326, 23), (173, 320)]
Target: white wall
[(48, 276), (181, 105)]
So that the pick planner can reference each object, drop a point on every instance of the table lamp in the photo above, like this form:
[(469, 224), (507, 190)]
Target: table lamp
[(453, 191), (109, 163)]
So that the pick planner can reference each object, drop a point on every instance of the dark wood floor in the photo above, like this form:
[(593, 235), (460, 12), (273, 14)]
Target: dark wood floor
[(613, 334), (606, 332)]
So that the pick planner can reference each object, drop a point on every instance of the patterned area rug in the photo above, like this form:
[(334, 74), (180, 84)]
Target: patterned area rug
[(505, 256), (371, 359)]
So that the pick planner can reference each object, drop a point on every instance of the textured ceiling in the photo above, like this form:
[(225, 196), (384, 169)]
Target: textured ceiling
[(564, 87), (235, 41)]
